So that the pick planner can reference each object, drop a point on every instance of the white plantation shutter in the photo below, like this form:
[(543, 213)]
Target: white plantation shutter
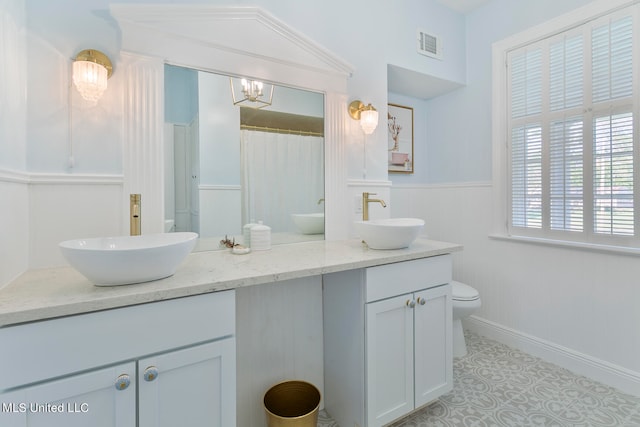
[(526, 153), (613, 174), (566, 73), (566, 156), (612, 65), (526, 190), (526, 83), (566, 196), (572, 115)]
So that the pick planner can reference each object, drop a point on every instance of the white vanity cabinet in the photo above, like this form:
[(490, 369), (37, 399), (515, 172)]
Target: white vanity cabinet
[(89, 398), (387, 340), (194, 386), (159, 364)]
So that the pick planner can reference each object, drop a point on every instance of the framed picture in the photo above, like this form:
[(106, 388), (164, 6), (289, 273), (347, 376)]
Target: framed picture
[(400, 141)]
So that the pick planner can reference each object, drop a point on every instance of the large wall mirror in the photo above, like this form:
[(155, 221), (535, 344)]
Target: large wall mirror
[(230, 161), (208, 37)]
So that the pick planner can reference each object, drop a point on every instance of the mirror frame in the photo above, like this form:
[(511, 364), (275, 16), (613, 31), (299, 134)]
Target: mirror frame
[(210, 38)]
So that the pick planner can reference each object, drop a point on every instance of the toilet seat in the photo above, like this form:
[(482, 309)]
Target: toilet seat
[(462, 292)]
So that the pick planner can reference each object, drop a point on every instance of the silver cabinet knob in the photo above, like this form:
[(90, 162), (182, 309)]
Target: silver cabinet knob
[(422, 301), (151, 373), (411, 303), (122, 382)]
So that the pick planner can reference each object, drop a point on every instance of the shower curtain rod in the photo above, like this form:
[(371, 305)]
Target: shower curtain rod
[(285, 131)]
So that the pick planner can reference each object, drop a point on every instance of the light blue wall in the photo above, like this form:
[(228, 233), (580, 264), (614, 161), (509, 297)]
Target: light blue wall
[(400, 22), (219, 140), (458, 125), (180, 95), (366, 34), (295, 101), (456, 132)]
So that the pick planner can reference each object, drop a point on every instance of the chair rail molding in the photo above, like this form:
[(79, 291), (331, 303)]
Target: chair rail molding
[(40, 178)]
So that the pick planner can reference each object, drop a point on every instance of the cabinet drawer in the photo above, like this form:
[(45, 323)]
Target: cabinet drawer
[(52, 348), (385, 281)]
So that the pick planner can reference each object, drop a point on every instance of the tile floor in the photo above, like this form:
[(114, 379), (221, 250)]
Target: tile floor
[(495, 385)]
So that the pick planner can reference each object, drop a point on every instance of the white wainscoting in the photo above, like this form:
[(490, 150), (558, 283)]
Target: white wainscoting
[(576, 308), (355, 188), (65, 206), (14, 226)]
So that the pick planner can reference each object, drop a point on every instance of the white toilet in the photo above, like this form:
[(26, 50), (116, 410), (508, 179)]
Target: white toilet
[(465, 300)]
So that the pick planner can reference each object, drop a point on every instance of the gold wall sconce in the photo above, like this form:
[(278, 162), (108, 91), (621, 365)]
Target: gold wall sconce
[(91, 70), (367, 115), (252, 93)]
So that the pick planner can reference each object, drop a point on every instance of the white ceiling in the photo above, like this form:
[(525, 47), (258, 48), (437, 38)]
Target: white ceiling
[(463, 6)]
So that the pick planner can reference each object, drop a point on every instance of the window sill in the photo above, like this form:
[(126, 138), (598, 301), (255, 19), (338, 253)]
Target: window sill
[(591, 247)]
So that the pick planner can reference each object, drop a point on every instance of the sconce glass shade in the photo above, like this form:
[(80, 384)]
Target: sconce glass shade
[(367, 115), (369, 119), (91, 70)]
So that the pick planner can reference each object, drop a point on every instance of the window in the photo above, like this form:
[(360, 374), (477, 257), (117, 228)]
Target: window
[(572, 131)]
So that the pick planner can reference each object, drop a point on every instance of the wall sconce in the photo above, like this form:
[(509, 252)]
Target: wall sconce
[(91, 69), (253, 94), (367, 115)]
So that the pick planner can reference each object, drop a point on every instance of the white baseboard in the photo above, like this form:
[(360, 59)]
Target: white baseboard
[(616, 376)]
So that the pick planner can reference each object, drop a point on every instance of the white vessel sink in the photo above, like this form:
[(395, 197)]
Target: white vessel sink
[(309, 223), (109, 261), (390, 233)]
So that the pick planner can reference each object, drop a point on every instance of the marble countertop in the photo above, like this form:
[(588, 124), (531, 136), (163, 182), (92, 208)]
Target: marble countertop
[(54, 292)]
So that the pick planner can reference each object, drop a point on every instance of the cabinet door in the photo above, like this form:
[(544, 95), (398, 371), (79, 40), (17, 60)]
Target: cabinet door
[(433, 345), (389, 359), (101, 398), (191, 387)]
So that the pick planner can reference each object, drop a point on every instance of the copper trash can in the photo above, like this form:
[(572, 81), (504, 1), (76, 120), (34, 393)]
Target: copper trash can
[(292, 404)]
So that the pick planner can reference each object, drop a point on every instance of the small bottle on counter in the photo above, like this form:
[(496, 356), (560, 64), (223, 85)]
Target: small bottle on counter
[(260, 237)]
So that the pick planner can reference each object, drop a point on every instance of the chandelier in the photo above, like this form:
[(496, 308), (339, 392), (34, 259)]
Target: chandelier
[(253, 93)]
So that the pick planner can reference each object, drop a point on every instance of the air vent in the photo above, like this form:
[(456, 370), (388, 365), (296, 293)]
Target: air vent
[(429, 45)]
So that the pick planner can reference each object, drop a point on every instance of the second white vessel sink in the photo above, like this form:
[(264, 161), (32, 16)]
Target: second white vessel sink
[(123, 260), (312, 223), (390, 233)]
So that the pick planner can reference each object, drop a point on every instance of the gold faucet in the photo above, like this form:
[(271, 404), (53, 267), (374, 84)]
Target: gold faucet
[(365, 204), (135, 219)]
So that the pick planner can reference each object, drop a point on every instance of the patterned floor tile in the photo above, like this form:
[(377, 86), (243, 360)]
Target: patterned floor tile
[(324, 420), (498, 386)]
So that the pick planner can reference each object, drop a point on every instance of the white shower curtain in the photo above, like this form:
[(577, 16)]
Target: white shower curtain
[(281, 174)]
